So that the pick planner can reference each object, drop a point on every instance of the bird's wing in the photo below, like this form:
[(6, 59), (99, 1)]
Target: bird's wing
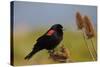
[(40, 38), (48, 34)]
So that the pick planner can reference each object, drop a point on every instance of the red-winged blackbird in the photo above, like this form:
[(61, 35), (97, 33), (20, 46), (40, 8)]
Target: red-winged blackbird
[(48, 41)]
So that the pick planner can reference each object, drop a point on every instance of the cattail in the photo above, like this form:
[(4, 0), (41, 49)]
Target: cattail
[(89, 31), (61, 56), (65, 51), (85, 23), (79, 20), (88, 27)]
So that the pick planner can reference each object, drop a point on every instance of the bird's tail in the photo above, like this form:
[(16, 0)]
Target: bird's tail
[(30, 55)]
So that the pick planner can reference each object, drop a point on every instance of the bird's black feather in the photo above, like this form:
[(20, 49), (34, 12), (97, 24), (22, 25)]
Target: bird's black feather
[(46, 41)]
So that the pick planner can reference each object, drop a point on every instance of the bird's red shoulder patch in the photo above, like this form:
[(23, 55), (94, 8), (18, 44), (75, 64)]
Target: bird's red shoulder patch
[(50, 32)]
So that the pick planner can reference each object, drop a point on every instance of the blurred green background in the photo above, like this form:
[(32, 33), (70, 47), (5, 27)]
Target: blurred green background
[(74, 41)]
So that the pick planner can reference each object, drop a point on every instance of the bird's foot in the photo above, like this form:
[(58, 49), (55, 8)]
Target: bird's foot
[(51, 52)]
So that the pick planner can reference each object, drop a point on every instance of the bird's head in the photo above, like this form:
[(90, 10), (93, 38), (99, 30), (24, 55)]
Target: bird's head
[(57, 27)]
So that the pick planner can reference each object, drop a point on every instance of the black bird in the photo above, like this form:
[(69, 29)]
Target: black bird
[(48, 41)]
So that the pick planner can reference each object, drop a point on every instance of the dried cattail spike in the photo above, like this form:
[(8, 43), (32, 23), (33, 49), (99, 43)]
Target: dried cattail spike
[(88, 27), (65, 51), (62, 55), (79, 20)]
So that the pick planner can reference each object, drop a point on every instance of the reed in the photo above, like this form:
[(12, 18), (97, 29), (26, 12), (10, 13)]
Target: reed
[(61, 55), (81, 23), (79, 20), (88, 27), (91, 54), (89, 31)]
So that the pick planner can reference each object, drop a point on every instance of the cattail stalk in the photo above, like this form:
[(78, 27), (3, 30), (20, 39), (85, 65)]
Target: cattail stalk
[(89, 31), (88, 47), (94, 48), (80, 25)]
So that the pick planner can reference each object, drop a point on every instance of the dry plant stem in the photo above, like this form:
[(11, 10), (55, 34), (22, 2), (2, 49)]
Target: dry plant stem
[(94, 48), (87, 46)]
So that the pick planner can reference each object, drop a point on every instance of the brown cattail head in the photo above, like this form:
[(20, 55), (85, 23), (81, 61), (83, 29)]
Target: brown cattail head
[(62, 55), (79, 20), (88, 27), (65, 52)]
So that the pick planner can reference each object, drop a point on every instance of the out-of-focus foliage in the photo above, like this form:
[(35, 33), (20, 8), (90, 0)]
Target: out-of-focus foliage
[(73, 40)]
